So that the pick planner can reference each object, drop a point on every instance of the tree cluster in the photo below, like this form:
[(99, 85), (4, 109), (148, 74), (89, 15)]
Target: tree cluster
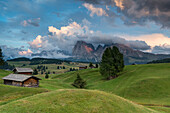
[(61, 67), (73, 69), (4, 64), (42, 69), (92, 66), (112, 63)]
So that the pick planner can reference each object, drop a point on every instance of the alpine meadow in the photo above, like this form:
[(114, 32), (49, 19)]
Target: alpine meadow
[(84, 56)]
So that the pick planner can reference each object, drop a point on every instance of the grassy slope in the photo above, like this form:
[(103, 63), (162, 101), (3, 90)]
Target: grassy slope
[(144, 84), (12, 93), (74, 101)]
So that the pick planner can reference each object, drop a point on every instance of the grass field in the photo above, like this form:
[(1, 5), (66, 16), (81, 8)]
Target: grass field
[(74, 101), (141, 83), (51, 67), (147, 85)]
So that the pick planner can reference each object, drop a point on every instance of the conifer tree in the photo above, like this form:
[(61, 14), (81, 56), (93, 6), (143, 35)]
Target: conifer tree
[(35, 72), (2, 62), (90, 65), (48, 72), (97, 65), (46, 76), (112, 63), (79, 82), (58, 67)]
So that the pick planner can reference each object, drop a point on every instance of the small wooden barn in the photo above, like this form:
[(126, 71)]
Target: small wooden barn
[(26, 71), (21, 80), (82, 67)]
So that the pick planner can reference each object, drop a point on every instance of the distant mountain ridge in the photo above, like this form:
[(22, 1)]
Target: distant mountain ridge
[(87, 52)]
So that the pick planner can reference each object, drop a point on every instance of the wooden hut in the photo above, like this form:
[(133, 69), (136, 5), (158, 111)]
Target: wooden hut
[(26, 71), (82, 67), (21, 80)]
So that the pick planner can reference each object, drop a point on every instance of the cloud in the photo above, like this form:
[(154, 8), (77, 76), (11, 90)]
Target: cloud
[(119, 3), (36, 43), (25, 53), (70, 30), (34, 22), (61, 38), (138, 11), (10, 52), (151, 39), (100, 38), (66, 37), (161, 49), (95, 10)]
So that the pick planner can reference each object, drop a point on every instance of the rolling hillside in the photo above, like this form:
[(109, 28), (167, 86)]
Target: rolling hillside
[(74, 101), (143, 84), (146, 85)]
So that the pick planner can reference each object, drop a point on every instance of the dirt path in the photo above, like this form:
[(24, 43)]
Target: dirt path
[(155, 105)]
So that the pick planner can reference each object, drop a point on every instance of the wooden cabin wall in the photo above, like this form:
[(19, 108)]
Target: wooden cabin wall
[(8, 82), (16, 83), (31, 83)]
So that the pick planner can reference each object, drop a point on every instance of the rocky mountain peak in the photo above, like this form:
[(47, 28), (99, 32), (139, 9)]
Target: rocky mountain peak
[(86, 52)]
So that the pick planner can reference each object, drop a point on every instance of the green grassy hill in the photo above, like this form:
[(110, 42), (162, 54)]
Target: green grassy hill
[(74, 101), (146, 85), (143, 84)]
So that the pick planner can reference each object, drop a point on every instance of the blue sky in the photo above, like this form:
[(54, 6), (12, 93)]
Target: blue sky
[(22, 21)]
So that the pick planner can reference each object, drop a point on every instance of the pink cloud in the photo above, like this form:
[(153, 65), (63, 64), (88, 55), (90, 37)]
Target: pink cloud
[(25, 53), (95, 10)]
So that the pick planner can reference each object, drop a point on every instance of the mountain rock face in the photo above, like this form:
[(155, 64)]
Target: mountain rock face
[(83, 51)]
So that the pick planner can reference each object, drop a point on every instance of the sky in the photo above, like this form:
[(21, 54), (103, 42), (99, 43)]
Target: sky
[(32, 26)]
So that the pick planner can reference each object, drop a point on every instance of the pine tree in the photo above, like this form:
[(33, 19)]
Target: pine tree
[(35, 72), (41, 72), (71, 69), (48, 72), (2, 62), (38, 67), (112, 63), (58, 67), (46, 76), (79, 82), (97, 65), (90, 65)]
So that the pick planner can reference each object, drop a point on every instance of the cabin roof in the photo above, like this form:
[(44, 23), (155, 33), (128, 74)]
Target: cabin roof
[(23, 69), (19, 77)]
